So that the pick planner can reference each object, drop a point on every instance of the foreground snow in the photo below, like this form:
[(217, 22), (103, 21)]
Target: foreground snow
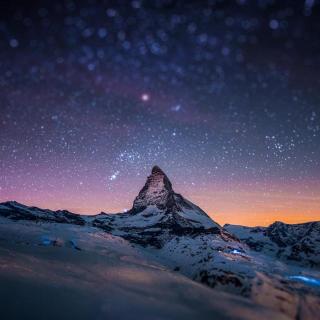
[(103, 277)]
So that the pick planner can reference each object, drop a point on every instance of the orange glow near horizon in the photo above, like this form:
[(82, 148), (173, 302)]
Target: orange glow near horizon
[(254, 207), (250, 206)]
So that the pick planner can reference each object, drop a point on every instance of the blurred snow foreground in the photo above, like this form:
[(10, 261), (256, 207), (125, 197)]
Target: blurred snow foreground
[(106, 279), (163, 259)]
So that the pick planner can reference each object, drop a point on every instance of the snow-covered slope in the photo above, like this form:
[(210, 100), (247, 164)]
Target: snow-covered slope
[(43, 277), (230, 266), (296, 243)]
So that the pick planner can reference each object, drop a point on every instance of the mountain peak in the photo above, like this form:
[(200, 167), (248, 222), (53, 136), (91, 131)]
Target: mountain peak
[(157, 191), (158, 202), (157, 170)]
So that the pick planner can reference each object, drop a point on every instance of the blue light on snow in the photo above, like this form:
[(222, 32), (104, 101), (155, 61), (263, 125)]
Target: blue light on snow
[(308, 280), (235, 251), (46, 240)]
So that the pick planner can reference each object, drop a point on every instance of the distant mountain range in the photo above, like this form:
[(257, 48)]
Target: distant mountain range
[(296, 243), (276, 268)]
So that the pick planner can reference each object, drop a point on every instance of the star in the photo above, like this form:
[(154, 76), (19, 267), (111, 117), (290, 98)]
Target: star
[(114, 176), (145, 97), (176, 108)]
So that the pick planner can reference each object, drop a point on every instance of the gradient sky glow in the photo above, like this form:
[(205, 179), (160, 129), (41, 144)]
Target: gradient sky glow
[(222, 95)]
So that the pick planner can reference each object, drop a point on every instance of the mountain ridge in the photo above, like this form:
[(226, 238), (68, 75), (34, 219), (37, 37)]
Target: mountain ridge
[(298, 243)]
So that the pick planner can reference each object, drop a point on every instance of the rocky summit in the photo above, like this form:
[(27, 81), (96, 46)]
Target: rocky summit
[(157, 192), (160, 204)]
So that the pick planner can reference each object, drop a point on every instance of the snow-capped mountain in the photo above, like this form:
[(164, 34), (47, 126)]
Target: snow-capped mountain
[(157, 199), (297, 243), (158, 206), (158, 213), (157, 210), (271, 267)]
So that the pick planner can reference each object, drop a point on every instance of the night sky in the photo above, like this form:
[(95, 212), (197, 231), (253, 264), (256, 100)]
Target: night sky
[(223, 95)]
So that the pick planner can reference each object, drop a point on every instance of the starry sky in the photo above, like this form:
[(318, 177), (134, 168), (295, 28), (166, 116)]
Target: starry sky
[(222, 95)]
